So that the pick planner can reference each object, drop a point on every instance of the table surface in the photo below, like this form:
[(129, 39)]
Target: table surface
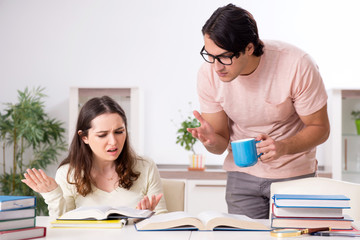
[(129, 232)]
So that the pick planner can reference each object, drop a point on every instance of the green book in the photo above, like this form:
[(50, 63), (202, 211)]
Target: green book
[(13, 224)]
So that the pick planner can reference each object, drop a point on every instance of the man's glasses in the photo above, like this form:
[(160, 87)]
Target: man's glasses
[(223, 59)]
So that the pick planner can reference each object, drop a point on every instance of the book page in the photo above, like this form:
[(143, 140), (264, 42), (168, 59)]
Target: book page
[(103, 212), (130, 212), (206, 216), (86, 212), (212, 219), (170, 220)]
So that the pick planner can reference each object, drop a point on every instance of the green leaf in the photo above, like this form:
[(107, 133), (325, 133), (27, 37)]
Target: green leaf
[(184, 138), (39, 141)]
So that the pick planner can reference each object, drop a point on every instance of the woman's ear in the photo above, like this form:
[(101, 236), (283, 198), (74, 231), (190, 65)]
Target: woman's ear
[(84, 138)]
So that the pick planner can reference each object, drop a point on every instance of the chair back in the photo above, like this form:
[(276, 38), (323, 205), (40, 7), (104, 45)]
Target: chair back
[(319, 185), (174, 194)]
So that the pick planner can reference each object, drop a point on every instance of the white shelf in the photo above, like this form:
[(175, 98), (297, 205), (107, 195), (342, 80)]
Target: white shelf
[(344, 140), (130, 99)]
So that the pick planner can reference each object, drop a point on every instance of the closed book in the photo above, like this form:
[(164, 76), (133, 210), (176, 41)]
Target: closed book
[(335, 223), (105, 212), (25, 233), (17, 224), (17, 213), (114, 223), (208, 220), (307, 212), (16, 202), (301, 200)]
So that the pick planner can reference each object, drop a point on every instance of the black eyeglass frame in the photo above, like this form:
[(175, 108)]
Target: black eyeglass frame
[(202, 53)]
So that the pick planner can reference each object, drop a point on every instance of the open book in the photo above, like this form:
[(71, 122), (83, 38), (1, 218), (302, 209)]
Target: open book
[(104, 212), (209, 220)]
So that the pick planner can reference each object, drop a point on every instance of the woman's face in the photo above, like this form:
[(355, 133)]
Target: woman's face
[(106, 137)]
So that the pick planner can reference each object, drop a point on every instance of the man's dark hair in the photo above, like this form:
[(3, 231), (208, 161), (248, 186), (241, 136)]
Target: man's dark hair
[(232, 28)]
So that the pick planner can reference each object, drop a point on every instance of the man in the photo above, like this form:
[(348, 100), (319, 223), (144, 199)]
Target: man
[(268, 90)]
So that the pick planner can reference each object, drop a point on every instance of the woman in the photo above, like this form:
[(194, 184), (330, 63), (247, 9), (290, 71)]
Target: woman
[(101, 168)]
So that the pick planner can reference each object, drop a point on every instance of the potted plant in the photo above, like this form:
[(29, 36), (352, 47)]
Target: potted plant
[(356, 117), (33, 139), (186, 140)]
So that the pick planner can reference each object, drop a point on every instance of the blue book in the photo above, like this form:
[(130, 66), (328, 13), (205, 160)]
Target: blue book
[(16, 202), (312, 201)]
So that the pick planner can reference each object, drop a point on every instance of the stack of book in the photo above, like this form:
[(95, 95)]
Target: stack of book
[(310, 211), (99, 217), (17, 218)]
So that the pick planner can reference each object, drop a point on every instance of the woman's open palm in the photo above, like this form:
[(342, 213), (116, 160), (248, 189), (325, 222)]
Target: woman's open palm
[(38, 181)]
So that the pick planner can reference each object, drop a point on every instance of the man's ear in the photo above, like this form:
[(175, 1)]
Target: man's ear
[(84, 138), (249, 50)]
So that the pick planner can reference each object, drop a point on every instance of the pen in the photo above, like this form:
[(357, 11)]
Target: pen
[(123, 222), (330, 234)]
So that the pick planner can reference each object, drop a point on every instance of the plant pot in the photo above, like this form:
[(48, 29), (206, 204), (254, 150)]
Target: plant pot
[(357, 123)]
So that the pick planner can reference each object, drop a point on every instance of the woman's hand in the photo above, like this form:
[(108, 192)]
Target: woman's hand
[(146, 203), (38, 181)]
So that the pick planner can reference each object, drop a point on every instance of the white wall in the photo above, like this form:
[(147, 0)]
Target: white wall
[(155, 45)]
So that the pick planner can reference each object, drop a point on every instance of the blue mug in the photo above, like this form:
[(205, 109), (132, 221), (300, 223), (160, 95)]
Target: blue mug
[(244, 152)]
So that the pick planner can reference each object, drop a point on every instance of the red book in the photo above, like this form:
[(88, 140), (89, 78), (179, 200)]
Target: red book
[(297, 222), (25, 233)]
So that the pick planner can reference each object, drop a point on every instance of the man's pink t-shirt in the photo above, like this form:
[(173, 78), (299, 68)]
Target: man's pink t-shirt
[(286, 84)]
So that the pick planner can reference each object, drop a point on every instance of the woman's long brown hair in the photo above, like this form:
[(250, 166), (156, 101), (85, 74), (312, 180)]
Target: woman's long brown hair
[(80, 155)]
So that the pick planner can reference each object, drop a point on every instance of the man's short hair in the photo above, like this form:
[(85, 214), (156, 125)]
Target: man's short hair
[(232, 28)]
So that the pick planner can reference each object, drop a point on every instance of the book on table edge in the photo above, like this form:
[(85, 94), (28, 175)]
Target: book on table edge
[(113, 223), (13, 224), (105, 212), (205, 221), (16, 202), (339, 233), (335, 223), (17, 213), (307, 212), (313, 200), (25, 233)]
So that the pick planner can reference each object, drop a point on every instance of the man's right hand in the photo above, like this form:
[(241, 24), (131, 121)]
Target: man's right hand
[(205, 133), (213, 131)]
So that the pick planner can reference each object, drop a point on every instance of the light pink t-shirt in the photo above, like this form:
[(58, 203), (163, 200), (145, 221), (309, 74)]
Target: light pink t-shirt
[(286, 84)]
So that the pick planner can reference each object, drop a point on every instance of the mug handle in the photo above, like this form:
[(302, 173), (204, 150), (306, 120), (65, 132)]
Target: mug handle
[(259, 155)]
